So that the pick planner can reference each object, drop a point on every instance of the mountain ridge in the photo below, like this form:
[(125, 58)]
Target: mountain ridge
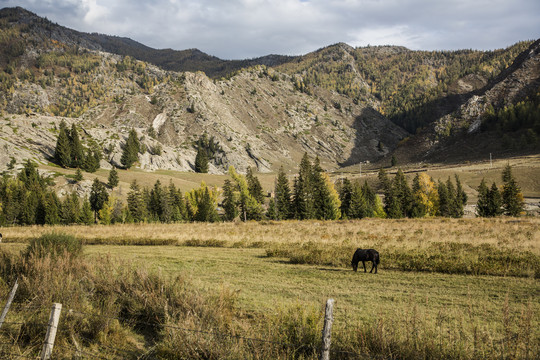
[(344, 104)]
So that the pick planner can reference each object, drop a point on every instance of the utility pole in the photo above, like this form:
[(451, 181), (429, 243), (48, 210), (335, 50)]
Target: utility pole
[(360, 170), (490, 161)]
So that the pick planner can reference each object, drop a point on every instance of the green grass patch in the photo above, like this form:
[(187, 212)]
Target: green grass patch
[(444, 257)]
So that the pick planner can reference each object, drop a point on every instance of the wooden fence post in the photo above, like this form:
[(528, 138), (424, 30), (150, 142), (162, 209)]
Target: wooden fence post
[(48, 345), (327, 329), (8, 303)]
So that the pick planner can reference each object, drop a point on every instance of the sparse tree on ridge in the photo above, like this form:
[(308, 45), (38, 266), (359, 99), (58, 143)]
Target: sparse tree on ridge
[(113, 180), (77, 150), (98, 197), (62, 152), (130, 153)]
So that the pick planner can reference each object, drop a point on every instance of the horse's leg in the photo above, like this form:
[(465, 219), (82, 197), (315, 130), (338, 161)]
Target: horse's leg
[(372, 266), (364, 263), (375, 264)]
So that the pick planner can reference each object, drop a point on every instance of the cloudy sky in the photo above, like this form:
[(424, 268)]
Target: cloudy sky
[(238, 29)]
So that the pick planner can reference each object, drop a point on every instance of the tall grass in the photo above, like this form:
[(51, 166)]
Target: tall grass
[(128, 312), (448, 257), (118, 311), (501, 246)]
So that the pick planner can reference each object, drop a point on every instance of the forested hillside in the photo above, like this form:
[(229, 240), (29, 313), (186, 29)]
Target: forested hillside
[(412, 88)]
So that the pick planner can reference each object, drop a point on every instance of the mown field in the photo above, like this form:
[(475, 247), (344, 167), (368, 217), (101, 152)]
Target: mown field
[(452, 288)]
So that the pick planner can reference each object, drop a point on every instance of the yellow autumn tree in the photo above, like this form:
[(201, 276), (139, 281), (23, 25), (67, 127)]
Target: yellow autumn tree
[(425, 196)]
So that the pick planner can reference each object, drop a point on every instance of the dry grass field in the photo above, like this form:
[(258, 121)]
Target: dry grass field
[(513, 233), (446, 288)]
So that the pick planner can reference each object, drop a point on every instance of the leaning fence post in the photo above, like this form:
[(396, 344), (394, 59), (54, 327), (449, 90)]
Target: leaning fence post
[(51, 332), (8, 303), (327, 329)]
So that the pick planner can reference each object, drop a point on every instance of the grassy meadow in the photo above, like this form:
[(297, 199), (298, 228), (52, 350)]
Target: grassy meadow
[(446, 288)]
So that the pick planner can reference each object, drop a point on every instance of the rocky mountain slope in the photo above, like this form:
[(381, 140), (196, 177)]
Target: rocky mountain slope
[(346, 105), (258, 117)]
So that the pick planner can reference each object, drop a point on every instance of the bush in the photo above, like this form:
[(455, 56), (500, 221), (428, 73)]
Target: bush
[(54, 245)]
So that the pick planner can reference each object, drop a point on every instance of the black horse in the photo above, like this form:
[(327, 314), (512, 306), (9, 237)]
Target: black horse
[(364, 255)]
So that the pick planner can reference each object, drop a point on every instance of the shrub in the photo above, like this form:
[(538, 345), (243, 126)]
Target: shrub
[(53, 245)]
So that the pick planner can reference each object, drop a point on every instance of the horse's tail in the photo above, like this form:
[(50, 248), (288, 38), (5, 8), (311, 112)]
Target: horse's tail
[(377, 258)]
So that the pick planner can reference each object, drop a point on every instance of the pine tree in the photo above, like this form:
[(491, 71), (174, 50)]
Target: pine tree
[(98, 197), (371, 199), (52, 208), (345, 194), (167, 209), (444, 202), (303, 191), (358, 205), (87, 217), (301, 198), (461, 196), (495, 201), (77, 150), (62, 152), (229, 201), (70, 209), (136, 205), (201, 160), (392, 205), (105, 214), (327, 201), (482, 205), (92, 158), (403, 194), (130, 153), (113, 180), (512, 197), (78, 175), (155, 202), (206, 210), (271, 213), (419, 208), (453, 203), (283, 196), (254, 186), (378, 209), (178, 203), (384, 181)]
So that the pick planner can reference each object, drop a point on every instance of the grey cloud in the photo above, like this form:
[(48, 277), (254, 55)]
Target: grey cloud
[(248, 28)]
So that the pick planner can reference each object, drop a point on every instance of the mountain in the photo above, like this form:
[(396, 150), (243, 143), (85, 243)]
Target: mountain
[(502, 117), (258, 116), (185, 60), (345, 105)]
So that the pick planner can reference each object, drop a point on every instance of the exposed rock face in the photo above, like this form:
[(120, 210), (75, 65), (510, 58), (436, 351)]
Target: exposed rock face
[(258, 123)]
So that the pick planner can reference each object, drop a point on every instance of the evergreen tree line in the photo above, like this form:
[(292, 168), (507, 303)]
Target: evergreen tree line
[(28, 199), (494, 201), (424, 198), (70, 153), (313, 195)]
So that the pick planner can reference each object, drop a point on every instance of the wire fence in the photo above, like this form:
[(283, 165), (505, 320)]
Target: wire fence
[(73, 347), (7, 348)]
